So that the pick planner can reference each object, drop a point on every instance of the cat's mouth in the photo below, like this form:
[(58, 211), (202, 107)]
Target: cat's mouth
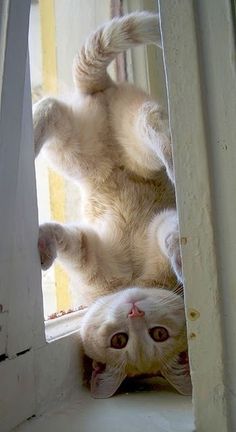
[(98, 368), (183, 358)]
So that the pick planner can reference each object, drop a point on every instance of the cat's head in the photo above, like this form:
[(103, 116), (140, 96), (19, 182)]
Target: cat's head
[(136, 331)]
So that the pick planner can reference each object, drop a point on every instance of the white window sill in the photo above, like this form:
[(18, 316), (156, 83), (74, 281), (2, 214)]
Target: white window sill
[(64, 325), (149, 411)]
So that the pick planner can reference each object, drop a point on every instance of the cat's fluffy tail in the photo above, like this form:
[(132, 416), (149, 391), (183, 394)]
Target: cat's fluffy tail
[(90, 64)]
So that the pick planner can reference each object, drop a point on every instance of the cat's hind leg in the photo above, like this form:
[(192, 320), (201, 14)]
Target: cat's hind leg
[(153, 126), (71, 136), (51, 120), (56, 133), (165, 227), (168, 238)]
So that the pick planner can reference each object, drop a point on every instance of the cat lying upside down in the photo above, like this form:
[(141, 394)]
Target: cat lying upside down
[(114, 141)]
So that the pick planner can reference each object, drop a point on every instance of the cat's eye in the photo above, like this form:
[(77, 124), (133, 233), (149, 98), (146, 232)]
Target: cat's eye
[(119, 340), (159, 334)]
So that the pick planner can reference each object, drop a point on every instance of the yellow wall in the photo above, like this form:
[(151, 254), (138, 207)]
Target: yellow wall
[(56, 182)]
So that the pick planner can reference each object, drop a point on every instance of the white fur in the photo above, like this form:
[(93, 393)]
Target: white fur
[(109, 315), (114, 141)]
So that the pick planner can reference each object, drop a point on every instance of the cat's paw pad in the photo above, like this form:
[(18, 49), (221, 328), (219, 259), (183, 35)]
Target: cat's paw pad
[(46, 246), (173, 249)]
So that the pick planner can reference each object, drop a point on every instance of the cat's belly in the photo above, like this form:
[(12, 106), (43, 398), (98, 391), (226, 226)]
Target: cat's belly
[(118, 274), (127, 200), (120, 212)]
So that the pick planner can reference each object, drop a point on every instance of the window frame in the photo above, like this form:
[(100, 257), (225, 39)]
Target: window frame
[(199, 42), (33, 373)]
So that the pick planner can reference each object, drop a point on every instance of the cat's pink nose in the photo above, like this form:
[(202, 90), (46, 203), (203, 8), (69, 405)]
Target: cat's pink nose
[(135, 312)]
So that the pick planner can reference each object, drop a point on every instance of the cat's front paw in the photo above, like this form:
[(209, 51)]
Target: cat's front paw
[(46, 246), (173, 250)]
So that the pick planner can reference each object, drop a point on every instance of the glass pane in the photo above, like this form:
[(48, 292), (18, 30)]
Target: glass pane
[(57, 29)]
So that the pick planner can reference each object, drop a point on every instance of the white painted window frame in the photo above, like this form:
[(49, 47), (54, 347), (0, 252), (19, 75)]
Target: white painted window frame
[(199, 52), (34, 373)]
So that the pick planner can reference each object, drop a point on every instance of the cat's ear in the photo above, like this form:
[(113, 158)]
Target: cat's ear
[(106, 380), (177, 373)]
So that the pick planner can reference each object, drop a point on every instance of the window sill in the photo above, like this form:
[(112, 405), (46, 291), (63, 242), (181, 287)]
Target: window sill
[(62, 326), (150, 411)]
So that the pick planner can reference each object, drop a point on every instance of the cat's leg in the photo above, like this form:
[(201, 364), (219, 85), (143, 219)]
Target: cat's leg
[(165, 228), (169, 241), (153, 127), (56, 134), (76, 248), (51, 120), (69, 137)]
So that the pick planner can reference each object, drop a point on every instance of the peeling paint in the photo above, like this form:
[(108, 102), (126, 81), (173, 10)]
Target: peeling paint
[(192, 336), (193, 314)]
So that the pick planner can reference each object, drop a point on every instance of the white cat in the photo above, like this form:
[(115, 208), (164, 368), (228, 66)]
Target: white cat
[(114, 141)]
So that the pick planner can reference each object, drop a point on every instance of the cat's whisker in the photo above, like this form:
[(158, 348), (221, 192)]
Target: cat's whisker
[(163, 362), (102, 300), (178, 289), (171, 364), (168, 300)]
